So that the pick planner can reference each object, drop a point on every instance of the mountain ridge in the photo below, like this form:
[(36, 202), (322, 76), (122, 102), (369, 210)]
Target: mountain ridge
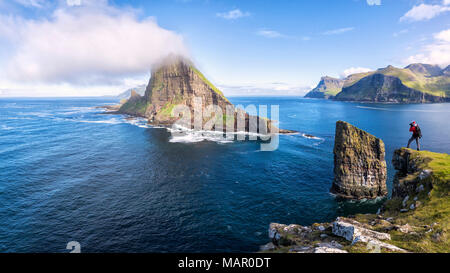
[(416, 83)]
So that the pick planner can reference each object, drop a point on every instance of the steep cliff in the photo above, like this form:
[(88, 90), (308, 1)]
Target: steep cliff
[(359, 163), (415, 219), (328, 87)]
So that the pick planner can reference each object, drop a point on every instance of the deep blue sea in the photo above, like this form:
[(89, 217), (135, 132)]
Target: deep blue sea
[(68, 173)]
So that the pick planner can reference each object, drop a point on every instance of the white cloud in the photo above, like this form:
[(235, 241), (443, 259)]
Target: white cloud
[(437, 52), (73, 3), (83, 46), (270, 34), (31, 3), (424, 12), (338, 31), (354, 70), (374, 2), (446, 2), (233, 14), (265, 89), (403, 31)]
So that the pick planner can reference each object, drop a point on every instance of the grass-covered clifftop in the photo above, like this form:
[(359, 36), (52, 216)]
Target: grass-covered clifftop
[(415, 219), (425, 183)]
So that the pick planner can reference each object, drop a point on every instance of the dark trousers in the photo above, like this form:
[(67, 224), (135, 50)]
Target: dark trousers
[(417, 141)]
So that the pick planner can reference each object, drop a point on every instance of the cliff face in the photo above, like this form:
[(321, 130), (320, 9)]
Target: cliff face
[(381, 88), (327, 88), (359, 163), (413, 174)]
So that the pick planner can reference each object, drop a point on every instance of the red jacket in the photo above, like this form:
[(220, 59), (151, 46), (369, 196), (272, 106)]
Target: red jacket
[(413, 129)]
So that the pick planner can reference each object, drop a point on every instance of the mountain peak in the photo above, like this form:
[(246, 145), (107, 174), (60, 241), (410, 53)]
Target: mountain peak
[(174, 81), (172, 60), (425, 69), (327, 87)]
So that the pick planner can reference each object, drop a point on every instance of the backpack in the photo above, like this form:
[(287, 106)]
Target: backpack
[(418, 132)]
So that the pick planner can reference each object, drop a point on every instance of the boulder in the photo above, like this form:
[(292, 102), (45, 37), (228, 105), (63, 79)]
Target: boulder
[(328, 250), (353, 230), (268, 247), (356, 233)]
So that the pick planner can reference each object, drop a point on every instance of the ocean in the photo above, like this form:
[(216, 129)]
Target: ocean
[(70, 173)]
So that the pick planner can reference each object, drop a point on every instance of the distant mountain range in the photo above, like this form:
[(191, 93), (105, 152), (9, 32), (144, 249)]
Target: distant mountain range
[(416, 83), (140, 89)]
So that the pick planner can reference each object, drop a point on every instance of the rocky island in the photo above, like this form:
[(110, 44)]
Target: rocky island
[(416, 83), (177, 82), (415, 219)]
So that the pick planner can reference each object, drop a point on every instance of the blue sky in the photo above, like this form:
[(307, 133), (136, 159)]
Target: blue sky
[(245, 47)]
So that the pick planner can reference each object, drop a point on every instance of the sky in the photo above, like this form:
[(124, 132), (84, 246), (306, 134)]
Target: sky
[(100, 47)]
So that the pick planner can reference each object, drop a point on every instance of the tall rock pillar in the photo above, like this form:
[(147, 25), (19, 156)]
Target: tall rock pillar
[(359, 164)]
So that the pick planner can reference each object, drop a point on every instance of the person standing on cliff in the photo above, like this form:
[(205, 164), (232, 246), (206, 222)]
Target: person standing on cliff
[(417, 134)]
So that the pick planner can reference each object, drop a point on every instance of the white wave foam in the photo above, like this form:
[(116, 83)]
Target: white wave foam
[(77, 110), (182, 134), (16, 118), (139, 122), (197, 136), (36, 114), (311, 137), (14, 105), (107, 121), (7, 128)]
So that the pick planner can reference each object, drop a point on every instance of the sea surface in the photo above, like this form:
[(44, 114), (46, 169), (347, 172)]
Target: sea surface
[(70, 173)]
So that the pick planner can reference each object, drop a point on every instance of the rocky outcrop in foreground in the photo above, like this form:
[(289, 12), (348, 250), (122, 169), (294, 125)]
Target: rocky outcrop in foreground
[(415, 219), (359, 164), (337, 237)]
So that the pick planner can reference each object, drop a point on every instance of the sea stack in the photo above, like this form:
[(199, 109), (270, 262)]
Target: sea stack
[(359, 164)]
